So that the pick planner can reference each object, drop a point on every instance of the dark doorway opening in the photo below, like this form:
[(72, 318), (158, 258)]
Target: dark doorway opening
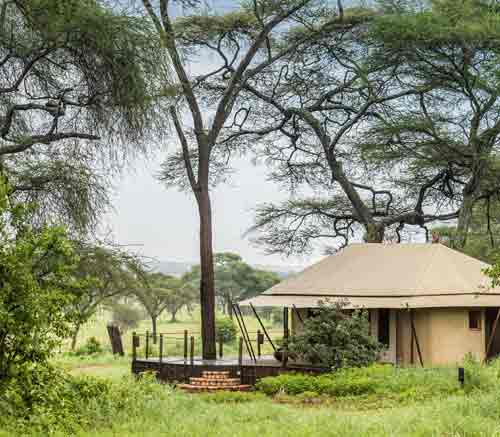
[(384, 327), (490, 316)]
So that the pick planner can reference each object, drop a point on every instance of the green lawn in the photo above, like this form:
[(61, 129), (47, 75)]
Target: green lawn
[(147, 408)]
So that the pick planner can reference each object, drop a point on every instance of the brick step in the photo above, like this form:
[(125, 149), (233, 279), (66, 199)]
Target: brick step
[(215, 374), (214, 382), (210, 389)]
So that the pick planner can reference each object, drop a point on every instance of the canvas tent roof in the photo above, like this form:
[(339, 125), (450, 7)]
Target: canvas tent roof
[(388, 276)]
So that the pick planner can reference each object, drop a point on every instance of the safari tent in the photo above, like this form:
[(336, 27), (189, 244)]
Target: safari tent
[(427, 303)]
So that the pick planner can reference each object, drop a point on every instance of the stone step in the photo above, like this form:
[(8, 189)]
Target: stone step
[(210, 389), (215, 374), (214, 381)]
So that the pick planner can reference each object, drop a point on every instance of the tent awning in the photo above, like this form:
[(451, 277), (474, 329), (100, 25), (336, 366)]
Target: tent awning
[(430, 301)]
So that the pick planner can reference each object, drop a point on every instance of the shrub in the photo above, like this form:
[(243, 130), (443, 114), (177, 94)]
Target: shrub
[(92, 346), (379, 380), (226, 329), (332, 338)]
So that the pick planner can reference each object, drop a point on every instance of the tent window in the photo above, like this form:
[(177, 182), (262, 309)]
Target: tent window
[(474, 319), (383, 327)]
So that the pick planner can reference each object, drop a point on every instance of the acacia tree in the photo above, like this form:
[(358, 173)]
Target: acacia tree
[(234, 280), (164, 292), (107, 273), (244, 42), (451, 132), (323, 108), (74, 84)]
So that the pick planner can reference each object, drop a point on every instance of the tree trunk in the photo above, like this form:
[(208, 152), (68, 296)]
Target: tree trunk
[(207, 286), (464, 221), (173, 318), (74, 336), (229, 308), (374, 233), (153, 323)]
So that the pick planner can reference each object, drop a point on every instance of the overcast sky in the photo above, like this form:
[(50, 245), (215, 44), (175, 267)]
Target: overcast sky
[(163, 223)]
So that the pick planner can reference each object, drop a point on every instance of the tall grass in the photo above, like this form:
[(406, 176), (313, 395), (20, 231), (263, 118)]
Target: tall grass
[(146, 408)]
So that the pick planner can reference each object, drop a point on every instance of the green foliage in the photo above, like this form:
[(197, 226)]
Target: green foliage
[(234, 279), (225, 328), (38, 287), (92, 346), (382, 381), (126, 316), (165, 292), (336, 339), (233, 397)]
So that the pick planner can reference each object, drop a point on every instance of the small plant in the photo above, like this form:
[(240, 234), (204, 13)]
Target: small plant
[(334, 339), (226, 329), (91, 347)]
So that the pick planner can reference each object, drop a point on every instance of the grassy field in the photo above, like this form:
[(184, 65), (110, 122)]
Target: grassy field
[(174, 332), (146, 408)]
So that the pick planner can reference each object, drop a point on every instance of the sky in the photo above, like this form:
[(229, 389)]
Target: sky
[(163, 223)]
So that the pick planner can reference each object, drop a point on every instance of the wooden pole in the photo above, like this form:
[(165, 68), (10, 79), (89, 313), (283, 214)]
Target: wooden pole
[(414, 335), (298, 313), (249, 341), (134, 346), (185, 345), (240, 356), (221, 342), (492, 335), (285, 322), (147, 345), (161, 348), (259, 342), (263, 327), (191, 353)]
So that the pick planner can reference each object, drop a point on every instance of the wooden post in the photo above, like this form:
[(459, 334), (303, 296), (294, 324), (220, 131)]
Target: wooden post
[(191, 354), (221, 342), (260, 339), (492, 335), (147, 345), (185, 345), (285, 323), (161, 348), (263, 327), (240, 357), (240, 352), (298, 314), (284, 359), (134, 346), (414, 336)]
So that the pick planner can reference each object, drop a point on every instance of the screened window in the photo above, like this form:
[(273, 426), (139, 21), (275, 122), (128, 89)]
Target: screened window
[(474, 319), (384, 327)]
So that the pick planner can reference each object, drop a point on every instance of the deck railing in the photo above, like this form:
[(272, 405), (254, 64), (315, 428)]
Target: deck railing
[(149, 346)]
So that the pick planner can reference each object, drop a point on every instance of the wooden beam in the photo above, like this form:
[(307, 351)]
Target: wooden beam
[(414, 335), (492, 335), (298, 313), (285, 322), (263, 327)]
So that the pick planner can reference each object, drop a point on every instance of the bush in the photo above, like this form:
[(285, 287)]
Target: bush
[(226, 329), (91, 347), (333, 339), (379, 380)]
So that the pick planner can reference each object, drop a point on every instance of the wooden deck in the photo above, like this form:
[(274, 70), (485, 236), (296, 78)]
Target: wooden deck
[(177, 369)]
